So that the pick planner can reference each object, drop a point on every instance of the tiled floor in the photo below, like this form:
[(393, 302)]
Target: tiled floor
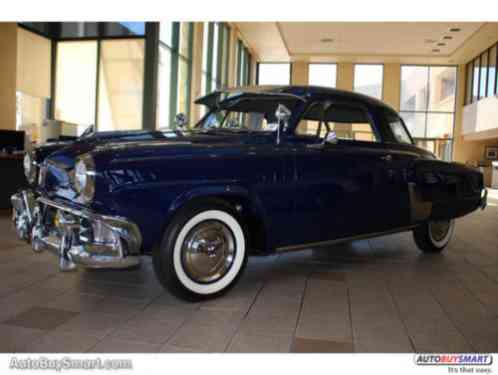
[(380, 295)]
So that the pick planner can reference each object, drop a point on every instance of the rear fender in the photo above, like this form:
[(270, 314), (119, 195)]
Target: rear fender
[(442, 190)]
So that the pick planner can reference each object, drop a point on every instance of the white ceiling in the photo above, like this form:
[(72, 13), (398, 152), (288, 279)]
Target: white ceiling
[(366, 41), (374, 38)]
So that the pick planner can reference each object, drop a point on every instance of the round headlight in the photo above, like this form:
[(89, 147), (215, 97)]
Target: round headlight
[(29, 167), (84, 177)]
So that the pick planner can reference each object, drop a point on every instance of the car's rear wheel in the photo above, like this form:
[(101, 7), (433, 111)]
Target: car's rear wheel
[(203, 252), (434, 236)]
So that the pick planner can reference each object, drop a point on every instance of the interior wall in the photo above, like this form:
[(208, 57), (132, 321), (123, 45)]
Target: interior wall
[(391, 87), (8, 75), (345, 76)]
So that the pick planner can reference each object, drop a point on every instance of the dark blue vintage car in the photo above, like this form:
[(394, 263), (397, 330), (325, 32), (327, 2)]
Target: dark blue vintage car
[(265, 170)]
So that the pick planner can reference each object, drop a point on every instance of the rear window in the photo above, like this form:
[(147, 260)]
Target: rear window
[(399, 132)]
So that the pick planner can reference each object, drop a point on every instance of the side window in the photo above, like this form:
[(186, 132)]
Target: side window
[(311, 123), (399, 131), (350, 123)]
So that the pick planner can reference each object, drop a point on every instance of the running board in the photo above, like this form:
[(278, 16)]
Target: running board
[(284, 249)]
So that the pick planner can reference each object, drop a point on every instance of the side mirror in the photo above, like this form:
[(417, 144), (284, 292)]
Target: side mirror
[(282, 114), (180, 120)]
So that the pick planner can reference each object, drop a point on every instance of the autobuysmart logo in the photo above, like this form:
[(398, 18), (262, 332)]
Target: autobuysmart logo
[(453, 359)]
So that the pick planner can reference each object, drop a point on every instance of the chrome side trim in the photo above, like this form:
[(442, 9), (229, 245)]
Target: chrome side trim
[(284, 249)]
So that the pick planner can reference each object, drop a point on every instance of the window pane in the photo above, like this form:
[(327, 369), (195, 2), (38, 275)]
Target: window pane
[(163, 88), (468, 88), (492, 71), (121, 84), (484, 75), (368, 80), (439, 125), (166, 33), (76, 82), (475, 87), (399, 132), (323, 74), (415, 122), (414, 88), (440, 147), (442, 88), (273, 74)]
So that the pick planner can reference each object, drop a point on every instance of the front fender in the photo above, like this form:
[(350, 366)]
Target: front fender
[(251, 207)]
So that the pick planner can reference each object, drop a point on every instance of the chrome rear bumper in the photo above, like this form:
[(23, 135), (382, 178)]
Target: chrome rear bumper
[(79, 236)]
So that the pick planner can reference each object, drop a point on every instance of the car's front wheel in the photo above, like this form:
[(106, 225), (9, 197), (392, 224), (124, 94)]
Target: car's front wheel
[(433, 236), (202, 253)]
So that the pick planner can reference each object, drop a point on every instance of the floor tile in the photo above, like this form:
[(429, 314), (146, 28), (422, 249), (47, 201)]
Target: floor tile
[(303, 345), (41, 318)]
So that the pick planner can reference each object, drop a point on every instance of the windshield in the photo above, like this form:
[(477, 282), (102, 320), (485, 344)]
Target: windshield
[(253, 113)]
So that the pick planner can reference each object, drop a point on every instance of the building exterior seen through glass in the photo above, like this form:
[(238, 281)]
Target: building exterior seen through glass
[(368, 79), (428, 106)]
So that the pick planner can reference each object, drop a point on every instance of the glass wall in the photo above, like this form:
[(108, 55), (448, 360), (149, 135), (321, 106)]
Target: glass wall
[(215, 56), (76, 86), (174, 71), (322, 75), (428, 106), (121, 82), (243, 65), (368, 79), (481, 76), (111, 99), (274, 73), (33, 82)]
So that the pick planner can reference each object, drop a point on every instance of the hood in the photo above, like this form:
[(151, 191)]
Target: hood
[(108, 153)]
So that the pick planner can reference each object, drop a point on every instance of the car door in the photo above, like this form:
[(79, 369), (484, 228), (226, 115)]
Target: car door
[(342, 189)]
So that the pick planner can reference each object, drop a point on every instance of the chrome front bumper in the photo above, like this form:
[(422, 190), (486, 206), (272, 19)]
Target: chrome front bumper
[(23, 205), (76, 236)]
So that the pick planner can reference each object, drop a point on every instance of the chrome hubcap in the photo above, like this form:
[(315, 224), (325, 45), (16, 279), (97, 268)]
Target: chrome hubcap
[(208, 251), (439, 229)]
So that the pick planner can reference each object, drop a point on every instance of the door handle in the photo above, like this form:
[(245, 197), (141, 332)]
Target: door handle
[(387, 157)]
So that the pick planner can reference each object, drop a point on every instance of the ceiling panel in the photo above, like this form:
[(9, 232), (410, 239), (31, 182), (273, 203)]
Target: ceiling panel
[(375, 38)]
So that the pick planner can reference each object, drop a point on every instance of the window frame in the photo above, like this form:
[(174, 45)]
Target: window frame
[(221, 56), (176, 56)]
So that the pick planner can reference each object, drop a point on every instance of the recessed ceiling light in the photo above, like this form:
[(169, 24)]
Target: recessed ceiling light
[(447, 37), (455, 29), (326, 40), (441, 44), (435, 50), (429, 41)]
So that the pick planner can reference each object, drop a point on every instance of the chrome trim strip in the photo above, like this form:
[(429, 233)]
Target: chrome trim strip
[(284, 249)]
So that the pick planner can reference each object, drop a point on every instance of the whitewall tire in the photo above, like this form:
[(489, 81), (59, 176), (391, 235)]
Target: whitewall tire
[(203, 251), (434, 236)]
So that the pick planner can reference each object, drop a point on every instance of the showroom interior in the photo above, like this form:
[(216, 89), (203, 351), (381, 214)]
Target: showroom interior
[(377, 295)]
